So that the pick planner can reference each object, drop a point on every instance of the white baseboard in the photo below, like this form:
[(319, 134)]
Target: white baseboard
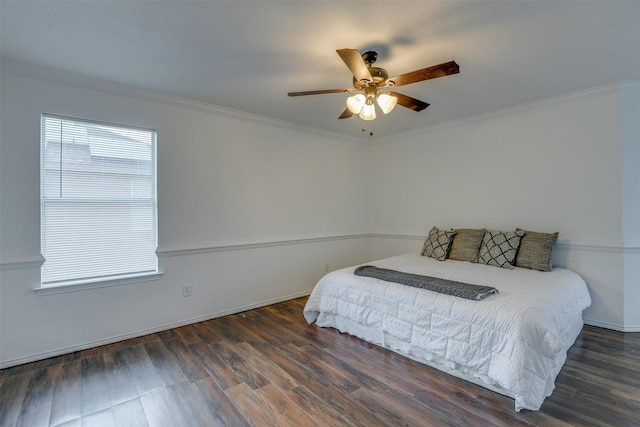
[(615, 327), (111, 340)]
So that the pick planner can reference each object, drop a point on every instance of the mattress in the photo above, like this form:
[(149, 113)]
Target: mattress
[(514, 342)]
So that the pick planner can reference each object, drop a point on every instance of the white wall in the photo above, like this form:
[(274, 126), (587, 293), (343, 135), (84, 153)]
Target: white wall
[(630, 143), (249, 213), (250, 210), (565, 164)]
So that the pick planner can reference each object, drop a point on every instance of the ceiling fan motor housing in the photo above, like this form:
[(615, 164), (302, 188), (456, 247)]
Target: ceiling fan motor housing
[(379, 76)]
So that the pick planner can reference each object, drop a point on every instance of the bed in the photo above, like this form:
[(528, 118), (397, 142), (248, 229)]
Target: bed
[(513, 342)]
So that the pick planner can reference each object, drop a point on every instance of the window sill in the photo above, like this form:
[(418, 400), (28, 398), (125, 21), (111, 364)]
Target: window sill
[(95, 284)]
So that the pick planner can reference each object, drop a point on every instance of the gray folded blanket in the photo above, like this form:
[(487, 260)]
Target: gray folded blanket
[(436, 284)]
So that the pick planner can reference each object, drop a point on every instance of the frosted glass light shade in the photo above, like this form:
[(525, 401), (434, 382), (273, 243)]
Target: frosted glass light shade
[(355, 103), (368, 112), (387, 102)]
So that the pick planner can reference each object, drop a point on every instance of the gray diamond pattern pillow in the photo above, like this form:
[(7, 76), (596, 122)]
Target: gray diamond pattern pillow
[(437, 244), (499, 248)]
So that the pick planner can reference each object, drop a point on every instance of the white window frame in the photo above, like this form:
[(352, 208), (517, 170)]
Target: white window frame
[(149, 271)]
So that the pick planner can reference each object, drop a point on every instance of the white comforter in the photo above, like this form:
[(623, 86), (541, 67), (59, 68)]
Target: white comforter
[(514, 342)]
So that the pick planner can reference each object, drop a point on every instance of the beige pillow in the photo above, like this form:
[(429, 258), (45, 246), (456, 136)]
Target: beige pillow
[(466, 244), (536, 250)]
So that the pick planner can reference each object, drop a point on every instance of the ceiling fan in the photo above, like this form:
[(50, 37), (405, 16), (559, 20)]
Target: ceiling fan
[(370, 83)]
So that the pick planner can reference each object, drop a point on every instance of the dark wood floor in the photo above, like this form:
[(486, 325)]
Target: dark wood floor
[(267, 367)]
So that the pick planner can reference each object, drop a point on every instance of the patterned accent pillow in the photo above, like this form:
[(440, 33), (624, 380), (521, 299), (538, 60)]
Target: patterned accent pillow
[(437, 244), (466, 244), (499, 248), (536, 250)]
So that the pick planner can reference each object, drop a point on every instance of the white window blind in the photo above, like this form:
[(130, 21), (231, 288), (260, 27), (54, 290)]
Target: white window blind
[(98, 201)]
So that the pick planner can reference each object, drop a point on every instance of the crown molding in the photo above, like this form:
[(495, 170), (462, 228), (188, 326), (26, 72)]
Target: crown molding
[(92, 83), (558, 99)]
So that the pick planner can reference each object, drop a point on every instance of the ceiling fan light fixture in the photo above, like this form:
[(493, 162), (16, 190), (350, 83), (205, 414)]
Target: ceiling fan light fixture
[(355, 103), (368, 111), (387, 102)]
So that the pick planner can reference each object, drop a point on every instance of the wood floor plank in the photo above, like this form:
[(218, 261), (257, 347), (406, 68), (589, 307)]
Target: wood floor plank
[(66, 402), (186, 360), (224, 329), (318, 410), (564, 390), (282, 408), (585, 379), (188, 334), (396, 409), (350, 409), (165, 363), (573, 417), (122, 386), (251, 406), (187, 407), (618, 411), (144, 373), (33, 366), (244, 330), (72, 423), (585, 354), (103, 418), (221, 410), (36, 405), (259, 333), (464, 403), (129, 414), (210, 331), (464, 409), (168, 335), (629, 376), (267, 369), (276, 328), (243, 369), (328, 362), (94, 385), (119, 345), (382, 370), (100, 350), (318, 369), (283, 313), (157, 408), (217, 369), (298, 372), (12, 394)]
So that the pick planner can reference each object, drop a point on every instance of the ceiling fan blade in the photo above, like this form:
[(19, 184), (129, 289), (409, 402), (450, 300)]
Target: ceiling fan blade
[(433, 72), (346, 114), (320, 92), (409, 102), (356, 64)]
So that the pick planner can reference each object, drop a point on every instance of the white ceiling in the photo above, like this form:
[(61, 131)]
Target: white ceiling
[(246, 55)]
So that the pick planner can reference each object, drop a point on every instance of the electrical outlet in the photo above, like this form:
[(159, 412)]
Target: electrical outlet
[(326, 266), (186, 290)]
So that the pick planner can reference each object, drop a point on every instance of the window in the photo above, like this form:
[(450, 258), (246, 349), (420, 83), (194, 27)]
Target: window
[(98, 201)]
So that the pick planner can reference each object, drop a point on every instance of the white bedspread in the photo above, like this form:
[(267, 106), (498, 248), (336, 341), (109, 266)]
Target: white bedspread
[(514, 342)]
